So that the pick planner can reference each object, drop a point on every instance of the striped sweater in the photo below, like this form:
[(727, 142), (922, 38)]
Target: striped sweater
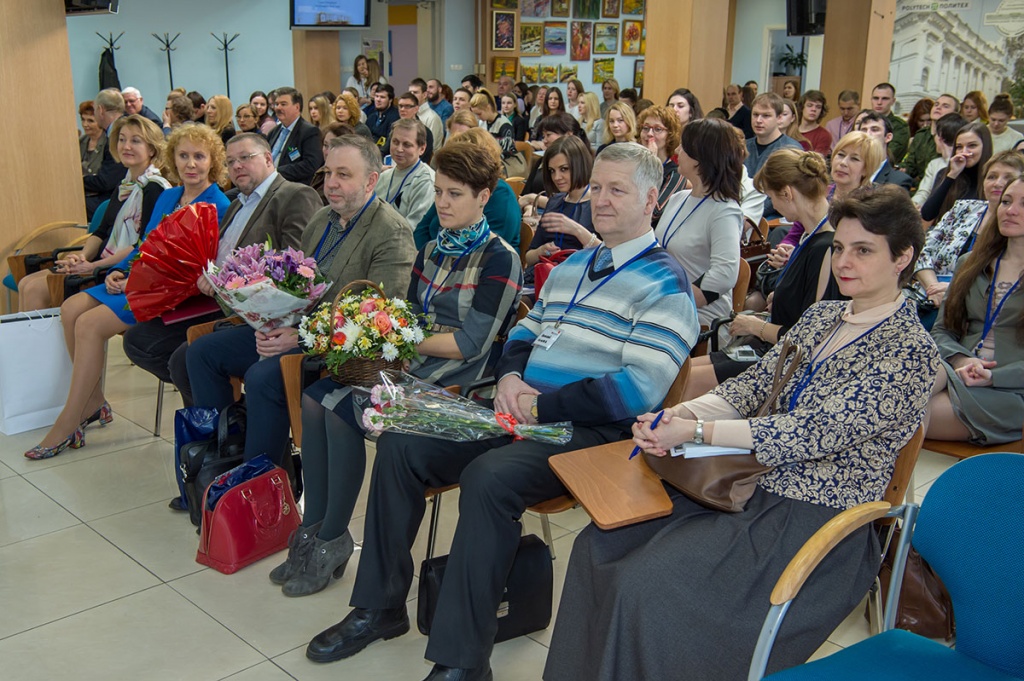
[(620, 347)]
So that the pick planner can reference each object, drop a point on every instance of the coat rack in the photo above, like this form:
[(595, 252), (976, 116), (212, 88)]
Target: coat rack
[(225, 46), (167, 43), (110, 40)]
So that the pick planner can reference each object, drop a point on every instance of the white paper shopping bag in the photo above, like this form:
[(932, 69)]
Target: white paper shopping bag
[(35, 370)]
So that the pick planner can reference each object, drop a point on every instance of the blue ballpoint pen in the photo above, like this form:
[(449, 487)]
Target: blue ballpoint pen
[(654, 424)]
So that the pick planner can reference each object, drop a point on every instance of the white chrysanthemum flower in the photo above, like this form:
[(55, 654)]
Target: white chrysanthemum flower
[(308, 339), (389, 352), (408, 334), (399, 304), (353, 332), (417, 335)]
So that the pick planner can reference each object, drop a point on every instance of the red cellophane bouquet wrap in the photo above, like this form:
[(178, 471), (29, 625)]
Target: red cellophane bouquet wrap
[(171, 260)]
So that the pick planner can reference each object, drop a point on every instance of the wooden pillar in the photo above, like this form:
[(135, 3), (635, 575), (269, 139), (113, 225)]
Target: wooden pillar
[(40, 167), (689, 44), (858, 46), (317, 56)]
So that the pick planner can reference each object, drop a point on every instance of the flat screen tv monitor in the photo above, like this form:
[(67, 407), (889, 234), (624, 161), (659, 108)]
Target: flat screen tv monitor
[(75, 7), (805, 17), (330, 14)]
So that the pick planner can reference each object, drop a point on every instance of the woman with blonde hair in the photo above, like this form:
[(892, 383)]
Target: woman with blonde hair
[(609, 93), (138, 144), (219, 113), (854, 159), (974, 107), (321, 112), (194, 156), (590, 118), (347, 111), (619, 125)]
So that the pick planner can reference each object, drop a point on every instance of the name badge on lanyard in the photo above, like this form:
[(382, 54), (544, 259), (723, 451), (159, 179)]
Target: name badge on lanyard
[(293, 154), (547, 338)]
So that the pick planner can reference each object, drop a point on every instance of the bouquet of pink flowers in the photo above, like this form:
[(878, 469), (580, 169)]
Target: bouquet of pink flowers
[(409, 405), (267, 288)]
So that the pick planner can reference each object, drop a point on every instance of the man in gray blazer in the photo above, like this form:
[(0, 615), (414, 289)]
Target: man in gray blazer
[(267, 206)]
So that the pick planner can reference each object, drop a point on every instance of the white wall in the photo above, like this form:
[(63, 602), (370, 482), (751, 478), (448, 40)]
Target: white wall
[(458, 43), (748, 62)]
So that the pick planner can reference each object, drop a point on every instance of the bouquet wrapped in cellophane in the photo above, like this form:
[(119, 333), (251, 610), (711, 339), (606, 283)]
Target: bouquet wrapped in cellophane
[(414, 407), (267, 288)]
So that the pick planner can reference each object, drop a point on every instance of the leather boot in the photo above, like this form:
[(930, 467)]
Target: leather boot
[(300, 546), (327, 558)]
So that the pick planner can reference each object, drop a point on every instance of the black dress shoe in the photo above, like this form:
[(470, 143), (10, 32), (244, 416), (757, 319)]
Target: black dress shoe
[(177, 504), (361, 628), (442, 673)]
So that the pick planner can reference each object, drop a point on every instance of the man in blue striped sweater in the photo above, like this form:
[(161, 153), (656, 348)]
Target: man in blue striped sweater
[(609, 332)]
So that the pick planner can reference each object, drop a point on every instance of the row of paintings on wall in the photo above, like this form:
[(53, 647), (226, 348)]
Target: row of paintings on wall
[(560, 73), (580, 38), (580, 9)]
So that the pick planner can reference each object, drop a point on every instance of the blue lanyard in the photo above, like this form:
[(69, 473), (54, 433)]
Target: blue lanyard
[(400, 184), (351, 224), (431, 291), (974, 234), (800, 247), (577, 207), (573, 302), (812, 368), (990, 316), (668, 237)]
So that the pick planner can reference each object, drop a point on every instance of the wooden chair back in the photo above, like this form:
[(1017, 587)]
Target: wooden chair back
[(739, 289), (901, 474), (517, 184), (675, 391), (526, 150), (291, 372), (525, 239)]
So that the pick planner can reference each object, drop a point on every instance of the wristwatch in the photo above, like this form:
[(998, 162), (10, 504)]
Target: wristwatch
[(698, 433), (533, 407)]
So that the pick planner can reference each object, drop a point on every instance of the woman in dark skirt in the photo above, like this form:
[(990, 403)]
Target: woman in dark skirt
[(684, 597), (467, 282)]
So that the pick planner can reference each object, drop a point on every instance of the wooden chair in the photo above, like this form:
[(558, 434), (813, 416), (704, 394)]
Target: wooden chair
[(16, 261), (963, 450), (197, 331), (739, 298), (517, 183), (525, 239), (526, 150)]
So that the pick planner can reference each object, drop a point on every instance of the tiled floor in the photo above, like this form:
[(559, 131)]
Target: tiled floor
[(98, 579)]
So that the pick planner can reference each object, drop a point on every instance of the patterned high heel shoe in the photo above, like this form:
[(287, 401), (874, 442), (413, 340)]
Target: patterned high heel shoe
[(75, 441), (104, 415)]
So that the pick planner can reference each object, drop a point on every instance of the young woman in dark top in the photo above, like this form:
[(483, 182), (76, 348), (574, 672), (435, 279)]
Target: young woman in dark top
[(962, 179)]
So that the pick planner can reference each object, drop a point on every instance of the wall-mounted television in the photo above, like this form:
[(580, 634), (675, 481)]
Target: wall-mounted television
[(75, 7), (330, 14), (805, 17)]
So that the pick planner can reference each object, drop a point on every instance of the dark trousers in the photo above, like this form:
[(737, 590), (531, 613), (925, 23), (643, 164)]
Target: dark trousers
[(498, 480), (160, 349), (213, 359)]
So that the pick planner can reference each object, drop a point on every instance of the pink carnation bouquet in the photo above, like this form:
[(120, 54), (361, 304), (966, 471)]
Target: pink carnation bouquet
[(269, 289)]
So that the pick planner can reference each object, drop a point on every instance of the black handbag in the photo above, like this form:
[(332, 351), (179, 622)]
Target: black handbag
[(526, 603), (203, 460)]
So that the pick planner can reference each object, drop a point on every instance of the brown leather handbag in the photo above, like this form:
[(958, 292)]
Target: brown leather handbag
[(925, 606), (726, 483), (755, 246)]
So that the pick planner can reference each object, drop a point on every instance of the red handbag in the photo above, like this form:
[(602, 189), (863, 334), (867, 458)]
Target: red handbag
[(250, 521), (547, 263)]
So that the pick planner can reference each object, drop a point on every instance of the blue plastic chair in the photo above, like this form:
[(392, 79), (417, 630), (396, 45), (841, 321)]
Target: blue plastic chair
[(969, 530)]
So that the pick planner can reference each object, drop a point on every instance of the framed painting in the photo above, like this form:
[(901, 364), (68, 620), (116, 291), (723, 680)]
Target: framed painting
[(548, 73), (534, 9), (586, 9), (531, 38), (610, 9), (531, 74), (604, 69), (560, 8), (505, 66), (503, 31), (606, 37), (638, 74), (632, 32), (505, 4), (581, 33), (633, 7), (555, 37), (567, 72)]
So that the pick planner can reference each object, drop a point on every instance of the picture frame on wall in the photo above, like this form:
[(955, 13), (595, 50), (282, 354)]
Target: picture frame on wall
[(606, 37), (505, 4), (548, 74), (604, 69), (504, 66), (567, 72), (555, 37), (634, 7), (581, 33), (632, 32), (638, 75), (610, 9), (503, 31), (534, 9), (531, 39), (560, 8), (586, 9), (531, 74)]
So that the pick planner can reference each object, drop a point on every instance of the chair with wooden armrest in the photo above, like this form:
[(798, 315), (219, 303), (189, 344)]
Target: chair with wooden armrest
[(739, 297), (963, 450), (517, 183), (525, 239), (197, 331), (526, 150)]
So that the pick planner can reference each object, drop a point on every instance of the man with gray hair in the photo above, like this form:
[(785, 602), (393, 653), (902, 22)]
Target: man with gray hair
[(610, 330), (108, 106), (408, 185), (133, 104)]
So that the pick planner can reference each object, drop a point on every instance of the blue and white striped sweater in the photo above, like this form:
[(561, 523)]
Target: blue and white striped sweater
[(619, 350)]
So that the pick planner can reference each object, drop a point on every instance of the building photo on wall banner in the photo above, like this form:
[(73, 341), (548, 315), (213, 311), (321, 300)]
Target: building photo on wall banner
[(957, 47), (551, 41)]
